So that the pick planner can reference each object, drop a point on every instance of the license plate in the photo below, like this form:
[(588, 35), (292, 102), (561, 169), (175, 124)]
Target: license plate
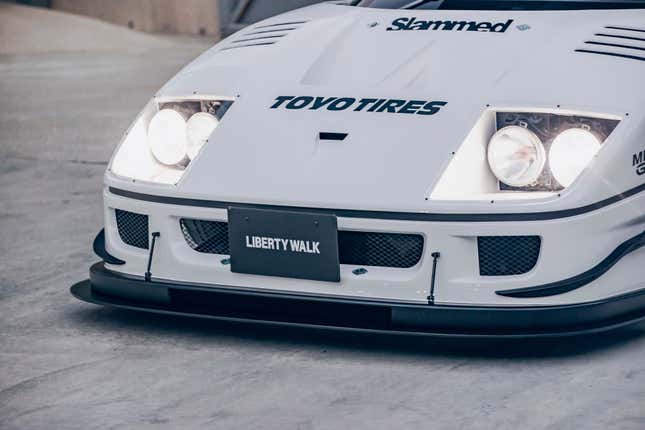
[(283, 243)]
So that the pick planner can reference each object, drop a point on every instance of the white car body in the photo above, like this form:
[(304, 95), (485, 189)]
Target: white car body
[(405, 173)]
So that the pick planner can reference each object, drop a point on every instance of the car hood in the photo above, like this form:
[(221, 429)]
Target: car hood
[(388, 160)]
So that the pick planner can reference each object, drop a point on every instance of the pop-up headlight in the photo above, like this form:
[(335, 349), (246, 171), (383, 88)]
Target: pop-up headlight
[(166, 137)]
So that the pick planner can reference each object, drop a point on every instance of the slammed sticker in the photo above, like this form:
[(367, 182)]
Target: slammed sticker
[(410, 107), (413, 23), (280, 244)]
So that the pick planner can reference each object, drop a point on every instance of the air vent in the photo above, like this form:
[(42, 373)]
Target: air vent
[(626, 42), (263, 35), (508, 255), (397, 250), (133, 228)]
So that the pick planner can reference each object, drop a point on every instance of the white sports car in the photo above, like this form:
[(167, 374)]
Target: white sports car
[(446, 166)]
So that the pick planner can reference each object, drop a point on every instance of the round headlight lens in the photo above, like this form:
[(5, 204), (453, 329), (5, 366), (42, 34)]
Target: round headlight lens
[(571, 152), (167, 137), (199, 128), (516, 156)]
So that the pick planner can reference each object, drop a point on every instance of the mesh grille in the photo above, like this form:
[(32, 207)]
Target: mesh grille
[(208, 237), (507, 255), (379, 249), (355, 248), (133, 228)]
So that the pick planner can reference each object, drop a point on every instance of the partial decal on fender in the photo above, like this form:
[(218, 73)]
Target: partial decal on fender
[(411, 107), (638, 161)]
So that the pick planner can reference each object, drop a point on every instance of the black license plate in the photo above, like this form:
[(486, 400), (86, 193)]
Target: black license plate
[(282, 243)]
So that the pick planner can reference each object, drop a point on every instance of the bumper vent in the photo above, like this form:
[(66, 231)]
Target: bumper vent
[(208, 237), (507, 255), (379, 249), (355, 248), (133, 228)]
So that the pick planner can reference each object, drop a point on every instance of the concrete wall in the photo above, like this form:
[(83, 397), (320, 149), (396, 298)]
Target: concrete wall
[(195, 17)]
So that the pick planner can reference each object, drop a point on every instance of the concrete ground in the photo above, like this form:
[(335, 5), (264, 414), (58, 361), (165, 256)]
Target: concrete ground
[(69, 365)]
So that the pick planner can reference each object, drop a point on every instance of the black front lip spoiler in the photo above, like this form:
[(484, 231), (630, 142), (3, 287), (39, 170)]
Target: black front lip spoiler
[(237, 304)]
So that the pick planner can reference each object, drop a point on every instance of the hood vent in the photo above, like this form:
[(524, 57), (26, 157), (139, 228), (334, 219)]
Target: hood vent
[(617, 41), (263, 35)]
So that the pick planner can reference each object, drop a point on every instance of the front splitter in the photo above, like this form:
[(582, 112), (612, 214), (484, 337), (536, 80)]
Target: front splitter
[(109, 288)]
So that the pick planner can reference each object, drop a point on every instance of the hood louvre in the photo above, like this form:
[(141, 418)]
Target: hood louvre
[(611, 54), (281, 23), (618, 42), (262, 35), (615, 27)]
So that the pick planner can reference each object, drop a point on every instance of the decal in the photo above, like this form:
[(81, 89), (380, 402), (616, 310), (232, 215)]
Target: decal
[(638, 161), (410, 107), (418, 24), (280, 244)]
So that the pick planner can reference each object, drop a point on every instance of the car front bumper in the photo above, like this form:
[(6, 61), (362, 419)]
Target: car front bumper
[(583, 258), (109, 288)]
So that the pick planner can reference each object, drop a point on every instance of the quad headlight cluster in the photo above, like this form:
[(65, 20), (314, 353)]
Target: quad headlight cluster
[(166, 137), (179, 130), (544, 151)]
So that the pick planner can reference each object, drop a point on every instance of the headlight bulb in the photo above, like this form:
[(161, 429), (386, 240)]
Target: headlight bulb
[(516, 156), (571, 152), (199, 128), (167, 137)]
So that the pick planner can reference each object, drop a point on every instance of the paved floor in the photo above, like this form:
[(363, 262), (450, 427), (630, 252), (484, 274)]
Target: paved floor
[(68, 365)]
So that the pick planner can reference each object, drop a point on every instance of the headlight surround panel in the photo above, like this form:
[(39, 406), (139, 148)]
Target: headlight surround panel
[(548, 126), (134, 158)]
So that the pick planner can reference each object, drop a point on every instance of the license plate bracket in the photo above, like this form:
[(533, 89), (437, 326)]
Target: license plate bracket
[(289, 244)]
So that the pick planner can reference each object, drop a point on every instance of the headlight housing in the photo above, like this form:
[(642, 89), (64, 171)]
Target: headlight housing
[(166, 137), (523, 154), (568, 145), (516, 156), (571, 152)]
